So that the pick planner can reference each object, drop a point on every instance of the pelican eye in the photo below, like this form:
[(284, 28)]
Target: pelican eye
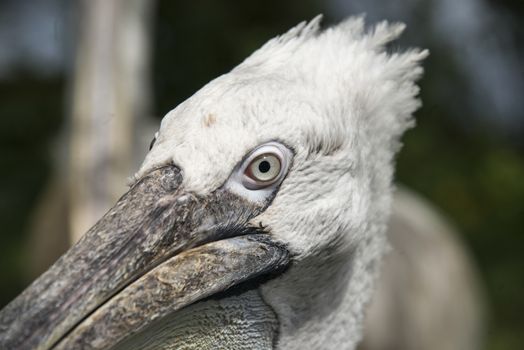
[(263, 169), (265, 166)]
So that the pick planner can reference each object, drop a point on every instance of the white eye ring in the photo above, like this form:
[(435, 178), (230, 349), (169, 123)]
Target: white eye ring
[(261, 171)]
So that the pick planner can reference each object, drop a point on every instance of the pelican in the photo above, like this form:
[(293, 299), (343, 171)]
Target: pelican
[(258, 218)]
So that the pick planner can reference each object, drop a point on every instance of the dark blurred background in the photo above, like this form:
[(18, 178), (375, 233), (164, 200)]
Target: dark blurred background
[(466, 154)]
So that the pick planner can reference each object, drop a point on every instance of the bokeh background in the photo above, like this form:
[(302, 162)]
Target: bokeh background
[(466, 154)]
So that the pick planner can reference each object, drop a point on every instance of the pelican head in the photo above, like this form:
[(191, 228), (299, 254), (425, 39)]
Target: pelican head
[(257, 219)]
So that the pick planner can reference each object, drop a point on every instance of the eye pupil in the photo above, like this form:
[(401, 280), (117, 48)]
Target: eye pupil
[(264, 166)]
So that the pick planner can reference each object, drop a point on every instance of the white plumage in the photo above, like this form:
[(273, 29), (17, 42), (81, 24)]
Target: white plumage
[(341, 101)]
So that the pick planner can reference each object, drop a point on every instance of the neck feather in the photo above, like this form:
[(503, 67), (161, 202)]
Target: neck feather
[(320, 302)]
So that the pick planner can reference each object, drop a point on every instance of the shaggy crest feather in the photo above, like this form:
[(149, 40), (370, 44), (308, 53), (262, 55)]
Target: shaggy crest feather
[(342, 73), (346, 59)]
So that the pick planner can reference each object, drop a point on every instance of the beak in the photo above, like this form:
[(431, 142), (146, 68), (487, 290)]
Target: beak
[(156, 251)]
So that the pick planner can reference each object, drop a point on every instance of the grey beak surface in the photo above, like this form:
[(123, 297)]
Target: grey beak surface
[(157, 250)]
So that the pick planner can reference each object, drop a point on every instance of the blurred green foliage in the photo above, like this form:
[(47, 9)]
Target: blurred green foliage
[(31, 112), (477, 181), (475, 175), (200, 40), (468, 168)]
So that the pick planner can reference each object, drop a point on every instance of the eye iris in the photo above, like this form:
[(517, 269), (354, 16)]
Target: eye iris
[(265, 168)]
